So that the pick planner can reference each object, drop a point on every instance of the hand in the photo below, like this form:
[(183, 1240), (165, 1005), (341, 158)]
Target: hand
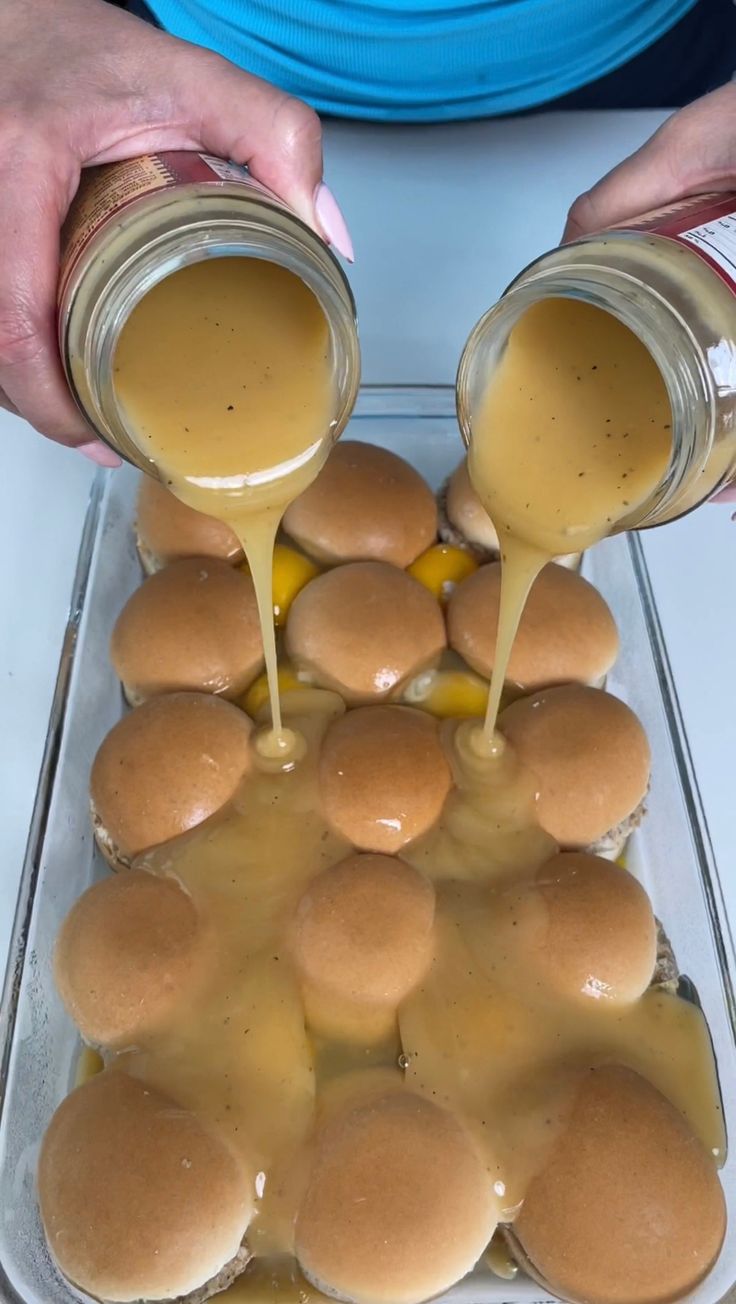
[(692, 153), (85, 83)]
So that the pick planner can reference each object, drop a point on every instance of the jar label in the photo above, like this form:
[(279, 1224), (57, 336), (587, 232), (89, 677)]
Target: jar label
[(106, 191), (704, 223)]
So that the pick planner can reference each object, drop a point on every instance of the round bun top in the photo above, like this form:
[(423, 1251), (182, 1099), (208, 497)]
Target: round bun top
[(466, 512), (138, 1199), (363, 930), (168, 530), (590, 757), (366, 505), (583, 926), (193, 626), (566, 634), (628, 1208), (399, 1204), (127, 953), (364, 628), (164, 768), (383, 776)]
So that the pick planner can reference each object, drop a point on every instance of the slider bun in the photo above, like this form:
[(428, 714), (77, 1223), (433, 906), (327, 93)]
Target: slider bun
[(163, 769), (468, 521), (363, 629), (589, 755), (139, 1200), (399, 1204), (167, 530), (466, 512), (191, 627), (383, 776), (583, 926), (366, 505), (566, 634), (128, 952), (628, 1208), (354, 1087), (361, 941)]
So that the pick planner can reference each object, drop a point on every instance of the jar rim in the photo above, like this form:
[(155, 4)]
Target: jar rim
[(202, 237), (643, 310)]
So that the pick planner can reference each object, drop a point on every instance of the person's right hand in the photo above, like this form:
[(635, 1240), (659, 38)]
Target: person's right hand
[(84, 83)]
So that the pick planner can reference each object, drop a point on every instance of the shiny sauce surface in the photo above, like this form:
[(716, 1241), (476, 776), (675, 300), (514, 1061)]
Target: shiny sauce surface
[(572, 433), (224, 371), (478, 1035)]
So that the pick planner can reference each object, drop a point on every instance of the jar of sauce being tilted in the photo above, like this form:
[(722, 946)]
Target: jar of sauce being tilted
[(134, 223), (668, 278)]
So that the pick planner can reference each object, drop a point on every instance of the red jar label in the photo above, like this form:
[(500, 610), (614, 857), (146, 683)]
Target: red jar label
[(106, 191), (703, 223)]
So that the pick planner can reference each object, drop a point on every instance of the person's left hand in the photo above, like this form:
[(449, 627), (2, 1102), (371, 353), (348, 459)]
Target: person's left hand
[(693, 152)]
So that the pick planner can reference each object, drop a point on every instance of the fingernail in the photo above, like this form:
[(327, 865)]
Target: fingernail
[(98, 452), (332, 222)]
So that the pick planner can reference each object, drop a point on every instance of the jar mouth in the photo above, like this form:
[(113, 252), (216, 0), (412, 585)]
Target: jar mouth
[(651, 318), (202, 240)]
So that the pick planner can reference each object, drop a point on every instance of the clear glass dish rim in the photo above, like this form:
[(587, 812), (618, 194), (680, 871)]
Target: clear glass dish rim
[(374, 400)]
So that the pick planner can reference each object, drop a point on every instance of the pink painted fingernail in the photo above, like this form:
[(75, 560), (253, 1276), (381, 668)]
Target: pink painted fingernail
[(98, 452), (332, 221)]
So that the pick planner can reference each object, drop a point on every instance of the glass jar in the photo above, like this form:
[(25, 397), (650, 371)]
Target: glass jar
[(133, 223), (670, 277)]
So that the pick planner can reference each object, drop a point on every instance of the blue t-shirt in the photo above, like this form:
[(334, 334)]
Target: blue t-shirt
[(424, 60)]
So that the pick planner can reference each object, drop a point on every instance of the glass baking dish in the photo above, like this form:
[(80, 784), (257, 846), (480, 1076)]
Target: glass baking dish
[(671, 853)]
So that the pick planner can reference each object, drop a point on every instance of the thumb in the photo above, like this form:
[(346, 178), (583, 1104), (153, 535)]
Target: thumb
[(693, 151), (245, 119)]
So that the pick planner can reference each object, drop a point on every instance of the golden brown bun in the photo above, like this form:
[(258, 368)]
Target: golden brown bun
[(354, 1087), (383, 776), (361, 941), (628, 1208), (138, 1199), (164, 768), (399, 1204), (566, 634), (128, 952), (363, 629), (192, 627), (167, 530), (366, 505), (466, 512), (590, 757), (583, 926)]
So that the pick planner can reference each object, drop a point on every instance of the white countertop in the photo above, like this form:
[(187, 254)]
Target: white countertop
[(442, 218)]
